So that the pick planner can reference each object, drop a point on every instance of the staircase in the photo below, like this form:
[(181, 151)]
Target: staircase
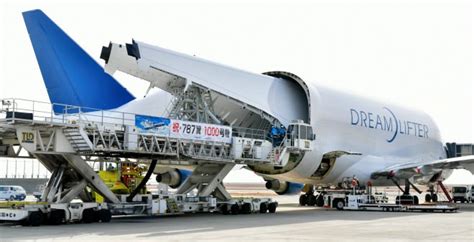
[(78, 139)]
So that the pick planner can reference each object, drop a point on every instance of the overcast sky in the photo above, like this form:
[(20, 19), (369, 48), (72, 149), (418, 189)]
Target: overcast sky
[(414, 53)]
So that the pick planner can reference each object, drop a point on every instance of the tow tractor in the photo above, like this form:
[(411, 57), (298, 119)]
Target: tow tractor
[(70, 140)]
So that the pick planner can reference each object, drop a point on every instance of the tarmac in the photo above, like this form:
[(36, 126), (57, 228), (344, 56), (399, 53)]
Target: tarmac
[(290, 223)]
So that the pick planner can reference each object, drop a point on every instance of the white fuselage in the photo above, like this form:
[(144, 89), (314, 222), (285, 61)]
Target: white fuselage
[(384, 135)]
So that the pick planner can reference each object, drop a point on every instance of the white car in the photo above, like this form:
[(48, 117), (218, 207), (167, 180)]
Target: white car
[(11, 193)]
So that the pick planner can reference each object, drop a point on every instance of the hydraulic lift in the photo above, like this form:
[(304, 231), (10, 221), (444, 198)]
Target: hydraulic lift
[(67, 143)]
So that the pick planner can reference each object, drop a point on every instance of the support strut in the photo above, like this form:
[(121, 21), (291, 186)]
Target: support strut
[(414, 187), (398, 185), (440, 183), (207, 179)]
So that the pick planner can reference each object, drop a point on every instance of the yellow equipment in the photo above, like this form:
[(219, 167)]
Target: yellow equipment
[(123, 181)]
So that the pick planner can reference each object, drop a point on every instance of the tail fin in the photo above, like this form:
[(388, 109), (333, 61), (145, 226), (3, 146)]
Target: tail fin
[(71, 76)]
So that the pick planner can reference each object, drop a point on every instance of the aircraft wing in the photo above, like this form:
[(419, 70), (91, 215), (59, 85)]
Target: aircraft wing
[(407, 170)]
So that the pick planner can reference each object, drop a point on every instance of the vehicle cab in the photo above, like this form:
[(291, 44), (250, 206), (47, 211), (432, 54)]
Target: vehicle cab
[(299, 136), (462, 193)]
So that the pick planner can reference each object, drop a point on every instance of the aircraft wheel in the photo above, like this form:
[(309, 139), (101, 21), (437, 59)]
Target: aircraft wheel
[(428, 198), (434, 198), (263, 207), (303, 200), (272, 207)]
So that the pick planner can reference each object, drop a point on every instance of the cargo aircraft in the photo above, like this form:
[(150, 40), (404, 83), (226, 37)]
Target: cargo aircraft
[(330, 138)]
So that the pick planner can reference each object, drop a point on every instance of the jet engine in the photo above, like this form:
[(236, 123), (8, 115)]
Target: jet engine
[(173, 178), (284, 187)]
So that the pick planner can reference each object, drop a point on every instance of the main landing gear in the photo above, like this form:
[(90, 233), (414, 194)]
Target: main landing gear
[(406, 198), (431, 196)]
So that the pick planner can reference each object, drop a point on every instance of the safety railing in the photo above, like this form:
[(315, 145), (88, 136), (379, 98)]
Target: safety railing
[(250, 133), (15, 109), (118, 138)]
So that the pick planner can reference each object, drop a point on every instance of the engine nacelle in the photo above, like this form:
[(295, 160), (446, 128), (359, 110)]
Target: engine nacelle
[(283, 187), (173, 178)]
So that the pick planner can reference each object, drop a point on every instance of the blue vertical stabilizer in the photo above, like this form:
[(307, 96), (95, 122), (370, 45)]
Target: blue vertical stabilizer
[(71, 76)]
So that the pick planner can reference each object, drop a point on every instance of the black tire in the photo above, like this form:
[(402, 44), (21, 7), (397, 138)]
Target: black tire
[(339, 204), (105, 215), (224, 209), (246, 208), (434, 198), (272, 207), (320, 200), (35, 218), (12, 198), (311, 200), (96, 216), (88, 216), (56, 217), (234, 209), (303, 200), (407, 200), (428, 198), (263, 207), (416, 201)]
